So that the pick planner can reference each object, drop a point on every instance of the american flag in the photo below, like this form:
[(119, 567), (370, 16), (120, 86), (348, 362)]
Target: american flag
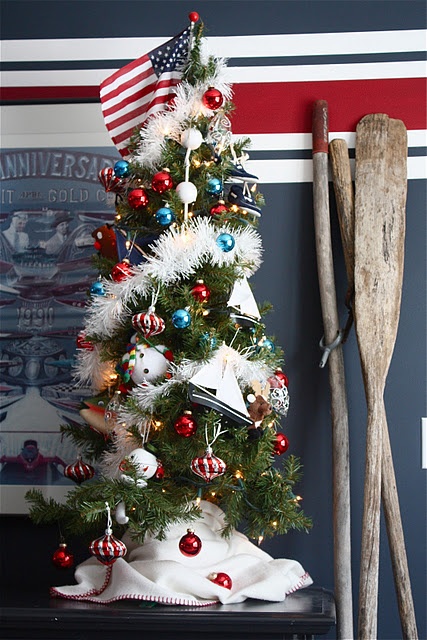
[(141, 88)]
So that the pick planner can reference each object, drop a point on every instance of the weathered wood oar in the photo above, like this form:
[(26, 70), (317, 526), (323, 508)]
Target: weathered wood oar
[(331, 327), (341, 175), (344, 197), (379, 235)]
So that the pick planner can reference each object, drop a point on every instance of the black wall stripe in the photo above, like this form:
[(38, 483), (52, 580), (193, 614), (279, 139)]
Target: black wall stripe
[(232, 62), (135, 18)]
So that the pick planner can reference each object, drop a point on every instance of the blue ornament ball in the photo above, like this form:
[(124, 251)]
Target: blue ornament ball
[(165, 216), (181, 319), (214, 186), (225, 242), (208, 339), (265, 343), (121, 169), (97, 289)]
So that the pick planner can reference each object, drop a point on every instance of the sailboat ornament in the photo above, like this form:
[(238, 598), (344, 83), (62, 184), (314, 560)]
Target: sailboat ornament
[(242, 299), (215, 384)]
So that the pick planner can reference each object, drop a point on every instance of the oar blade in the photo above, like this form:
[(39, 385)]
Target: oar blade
[(380, 201)]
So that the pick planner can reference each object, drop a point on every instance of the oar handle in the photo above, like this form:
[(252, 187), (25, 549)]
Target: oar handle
[(320, 127)]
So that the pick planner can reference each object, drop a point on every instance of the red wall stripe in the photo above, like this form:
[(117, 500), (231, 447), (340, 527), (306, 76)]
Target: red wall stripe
[(48, 94), (286, 107)]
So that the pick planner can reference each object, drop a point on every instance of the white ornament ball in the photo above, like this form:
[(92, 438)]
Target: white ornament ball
[(145, 463), (187, 192), (150, 363), (191, 139)]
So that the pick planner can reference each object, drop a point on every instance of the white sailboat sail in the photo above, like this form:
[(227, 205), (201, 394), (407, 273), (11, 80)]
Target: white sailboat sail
[(215, 386), (243, 299), (229, 391)]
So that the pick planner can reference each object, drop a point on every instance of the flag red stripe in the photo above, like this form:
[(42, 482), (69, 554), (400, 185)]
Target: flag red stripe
[(120, 72), (125, 135), (140, 107), (289, 104), (108, 111), (133, 83)]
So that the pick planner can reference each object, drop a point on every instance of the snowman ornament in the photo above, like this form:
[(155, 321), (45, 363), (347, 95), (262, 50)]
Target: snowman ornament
[(143, 363), (145, 463)]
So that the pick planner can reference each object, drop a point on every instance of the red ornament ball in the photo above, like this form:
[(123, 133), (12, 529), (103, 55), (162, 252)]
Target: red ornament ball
[(282, 377), (137, 198), (62, 558), (221, 579), (193, 16), (281, 444), (79, 471), (212, 98), (190, 544), (121, 271), (107, 548), (185, 425), (218, 209), (201, 292), (161, 182)]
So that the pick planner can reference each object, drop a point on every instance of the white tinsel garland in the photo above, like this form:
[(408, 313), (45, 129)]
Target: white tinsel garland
[(91, 371), (177, 254), (245, 370), (123, 443), (171, 123)]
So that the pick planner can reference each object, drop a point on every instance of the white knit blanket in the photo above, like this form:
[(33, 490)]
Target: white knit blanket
[(157, 571)]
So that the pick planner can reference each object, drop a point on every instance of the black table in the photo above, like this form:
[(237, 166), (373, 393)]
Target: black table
[(34, 616)]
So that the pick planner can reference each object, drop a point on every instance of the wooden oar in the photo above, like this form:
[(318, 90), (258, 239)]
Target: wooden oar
[(341, 175), (344, 196), (379, 234), (331, 327)]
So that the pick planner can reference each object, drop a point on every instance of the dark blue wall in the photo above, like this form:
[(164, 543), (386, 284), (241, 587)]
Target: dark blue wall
[(288, 278)]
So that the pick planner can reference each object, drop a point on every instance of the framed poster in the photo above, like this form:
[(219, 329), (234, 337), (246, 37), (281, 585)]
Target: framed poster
[(51, 203)]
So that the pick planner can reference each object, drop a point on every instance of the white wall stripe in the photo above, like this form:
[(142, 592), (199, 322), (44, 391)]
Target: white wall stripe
[(300, 141), (299, 73), (323, 72), (296, 171), (259, 46), (287, 171), (83, 125)]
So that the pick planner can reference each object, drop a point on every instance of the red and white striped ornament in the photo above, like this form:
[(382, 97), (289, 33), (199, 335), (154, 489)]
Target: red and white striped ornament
[(107, 548), (110, 181), (148, 323), (208, 466), (79, 471)]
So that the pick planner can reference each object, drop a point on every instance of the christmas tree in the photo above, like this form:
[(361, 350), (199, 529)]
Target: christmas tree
[(188, 386)]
